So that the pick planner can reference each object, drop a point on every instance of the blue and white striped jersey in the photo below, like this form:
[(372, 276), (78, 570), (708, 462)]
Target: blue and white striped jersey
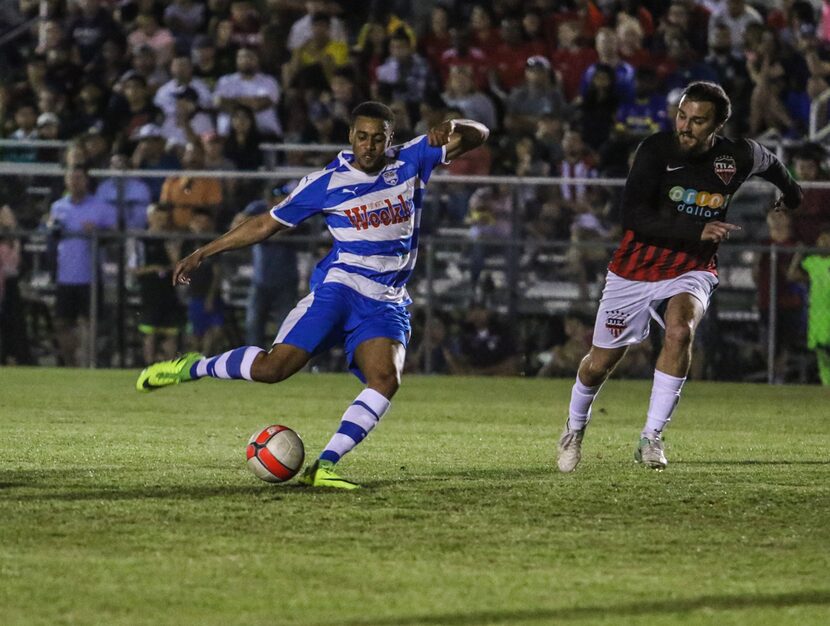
[(373, 218)]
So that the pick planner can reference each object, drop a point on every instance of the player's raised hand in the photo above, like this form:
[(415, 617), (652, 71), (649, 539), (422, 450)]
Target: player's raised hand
[(717, 231), (185, 267), (440, 135)]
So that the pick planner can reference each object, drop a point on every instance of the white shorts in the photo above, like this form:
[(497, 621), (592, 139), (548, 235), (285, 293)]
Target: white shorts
[(627, 306)]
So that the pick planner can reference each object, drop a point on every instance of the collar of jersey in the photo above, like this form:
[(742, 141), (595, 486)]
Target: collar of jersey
[(345, 158)]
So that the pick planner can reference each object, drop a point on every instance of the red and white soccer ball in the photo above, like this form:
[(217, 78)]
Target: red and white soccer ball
[(275, 454)]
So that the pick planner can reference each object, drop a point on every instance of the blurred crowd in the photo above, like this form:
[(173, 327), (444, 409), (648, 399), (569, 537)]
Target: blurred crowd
[(568, 87)]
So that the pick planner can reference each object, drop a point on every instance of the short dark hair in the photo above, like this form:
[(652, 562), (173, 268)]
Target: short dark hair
[(375, 110), (705, 91)]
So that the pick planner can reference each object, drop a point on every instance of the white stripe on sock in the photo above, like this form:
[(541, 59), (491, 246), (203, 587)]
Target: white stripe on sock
[(201, 368), (248, 360), (360, 416), (221, 367)]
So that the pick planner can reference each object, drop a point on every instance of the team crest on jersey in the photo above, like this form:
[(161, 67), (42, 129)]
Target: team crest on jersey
[(390, 177), (725, 168), (615, 322)]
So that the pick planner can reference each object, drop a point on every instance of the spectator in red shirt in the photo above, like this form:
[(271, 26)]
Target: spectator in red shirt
[(509, 59), (630, 36), (571, 59), (436, 40), (482, 32), (462, 53)]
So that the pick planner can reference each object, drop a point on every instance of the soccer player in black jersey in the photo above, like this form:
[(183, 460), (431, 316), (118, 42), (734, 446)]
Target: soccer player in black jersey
[(674, 216)]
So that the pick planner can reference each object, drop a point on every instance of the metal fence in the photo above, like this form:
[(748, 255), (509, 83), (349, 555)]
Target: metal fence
[(531, 283)]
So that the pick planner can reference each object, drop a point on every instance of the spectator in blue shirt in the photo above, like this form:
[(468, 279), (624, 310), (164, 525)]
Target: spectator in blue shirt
[(78, 212), (135, 196), (273, 291)]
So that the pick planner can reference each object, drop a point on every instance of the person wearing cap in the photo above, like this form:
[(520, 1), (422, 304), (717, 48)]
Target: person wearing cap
[(535, 97), (188, 122), (275, 278), (48, 128), (130, 108), (151, 155)]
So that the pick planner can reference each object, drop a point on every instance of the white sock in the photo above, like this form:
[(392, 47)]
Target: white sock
[(579, 411), (358, 420), (665, 394)]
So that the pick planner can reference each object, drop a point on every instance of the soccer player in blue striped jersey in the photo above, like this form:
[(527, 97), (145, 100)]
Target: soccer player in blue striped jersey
[(371, 197)]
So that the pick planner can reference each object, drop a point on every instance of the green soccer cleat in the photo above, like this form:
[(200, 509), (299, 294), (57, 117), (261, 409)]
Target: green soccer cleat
[(166, 373), (650, 453), (321, 474)]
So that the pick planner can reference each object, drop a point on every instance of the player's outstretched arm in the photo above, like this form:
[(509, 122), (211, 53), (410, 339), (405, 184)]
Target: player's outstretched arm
[(459, 136), (249, 232)]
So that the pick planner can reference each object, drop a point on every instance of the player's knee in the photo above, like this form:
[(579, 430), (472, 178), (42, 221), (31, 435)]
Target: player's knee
[(266, 370), (386, 381), (593, 371), (680, 334)]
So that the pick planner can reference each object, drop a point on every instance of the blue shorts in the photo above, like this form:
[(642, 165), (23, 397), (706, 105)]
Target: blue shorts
[(334, 314), (200, 321)]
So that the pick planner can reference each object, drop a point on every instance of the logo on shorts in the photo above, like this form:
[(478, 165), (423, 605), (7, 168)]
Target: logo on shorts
[(615, 323), (725, 168), (390, 177)]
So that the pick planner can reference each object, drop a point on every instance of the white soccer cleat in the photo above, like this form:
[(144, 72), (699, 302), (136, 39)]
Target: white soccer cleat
[(650, 453), (570, 449)]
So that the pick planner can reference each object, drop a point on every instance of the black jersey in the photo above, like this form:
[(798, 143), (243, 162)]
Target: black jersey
[(669, 197)]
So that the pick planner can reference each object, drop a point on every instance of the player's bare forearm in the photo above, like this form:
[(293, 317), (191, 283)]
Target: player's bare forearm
[(459, 136), (250, 232)]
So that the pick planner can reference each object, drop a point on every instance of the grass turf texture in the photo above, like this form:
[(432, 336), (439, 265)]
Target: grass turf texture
[(123, 508)]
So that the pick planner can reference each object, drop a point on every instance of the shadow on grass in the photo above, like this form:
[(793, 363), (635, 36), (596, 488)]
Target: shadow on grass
[(79, 484), (640, 609), (753, 462)]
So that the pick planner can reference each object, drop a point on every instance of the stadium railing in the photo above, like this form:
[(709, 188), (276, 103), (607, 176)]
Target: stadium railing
[(548, 285)]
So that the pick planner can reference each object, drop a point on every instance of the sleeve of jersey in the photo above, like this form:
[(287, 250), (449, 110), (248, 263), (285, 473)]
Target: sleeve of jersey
[(767, 166), (643, 210), (307, 200), (429, 157)]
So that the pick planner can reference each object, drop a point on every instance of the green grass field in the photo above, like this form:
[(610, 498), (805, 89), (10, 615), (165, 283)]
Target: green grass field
[(123, 508)]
